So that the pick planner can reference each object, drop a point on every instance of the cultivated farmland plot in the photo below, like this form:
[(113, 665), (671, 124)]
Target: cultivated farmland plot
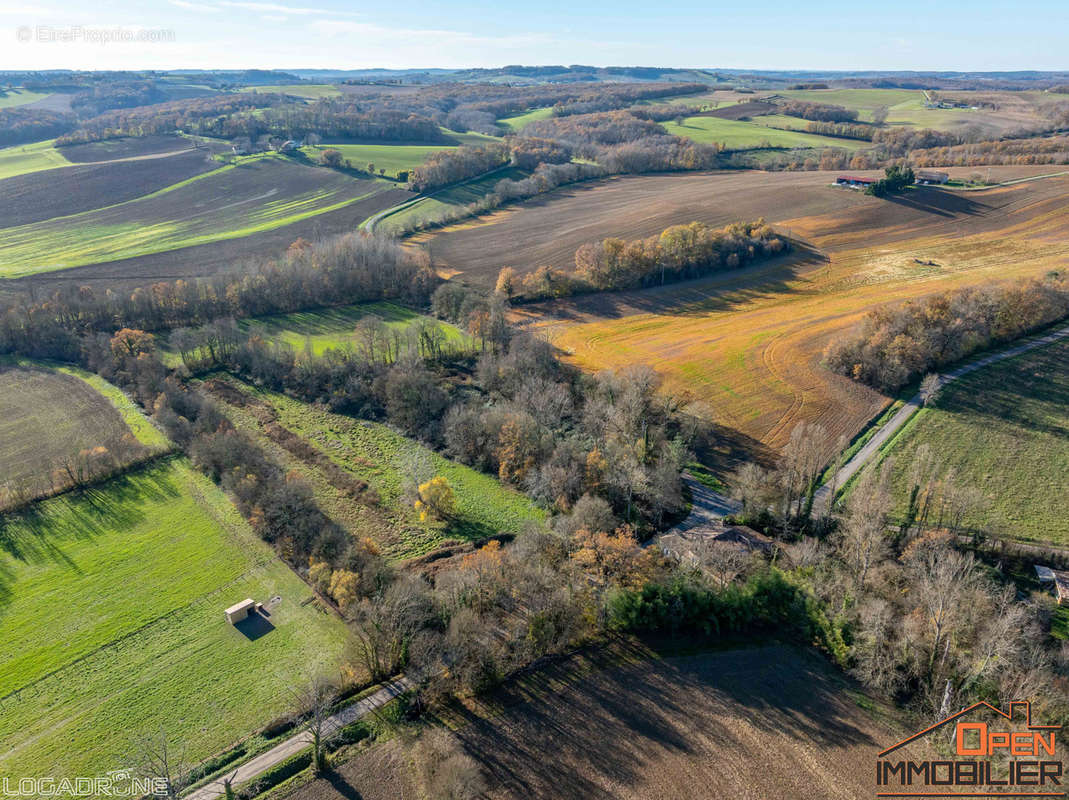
[(41, 195), (48, 418), (229, 203), (749, 344)]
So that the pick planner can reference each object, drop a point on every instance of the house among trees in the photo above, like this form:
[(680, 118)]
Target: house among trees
[(932, 176), (239, 611), (689, 545), (289, 145), (854, 181)]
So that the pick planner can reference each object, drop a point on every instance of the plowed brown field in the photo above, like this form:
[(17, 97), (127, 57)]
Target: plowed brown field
[(748, 344), (769, 722)]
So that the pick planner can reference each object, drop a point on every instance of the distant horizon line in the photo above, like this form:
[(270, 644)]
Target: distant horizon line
[(752, 70)]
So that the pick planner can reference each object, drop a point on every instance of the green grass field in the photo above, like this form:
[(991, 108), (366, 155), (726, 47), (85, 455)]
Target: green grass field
[(316, 332), (22, 159), (20, 97), (904, 106), (520, 121), (111, 616), (259, 194), (391, 157), (448, 201), (382, 457), (1003, 429), (740, 135), (334, 328), (312, 91)]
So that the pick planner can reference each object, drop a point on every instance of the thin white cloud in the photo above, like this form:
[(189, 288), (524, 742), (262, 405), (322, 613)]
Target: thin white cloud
[(203, 7), (282, 9)]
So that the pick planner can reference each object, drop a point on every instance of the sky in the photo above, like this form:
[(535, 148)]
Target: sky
[(980, 35)]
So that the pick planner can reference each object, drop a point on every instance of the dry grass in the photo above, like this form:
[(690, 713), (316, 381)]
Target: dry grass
[(748, 344)]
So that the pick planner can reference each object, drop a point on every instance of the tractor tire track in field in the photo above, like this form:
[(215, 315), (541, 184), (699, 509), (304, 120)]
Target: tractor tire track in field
[(823, 495)]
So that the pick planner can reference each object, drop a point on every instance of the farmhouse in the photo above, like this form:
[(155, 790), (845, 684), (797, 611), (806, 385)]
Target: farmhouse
[(932, 176), (239, 611), (854, 180), (686, 545)]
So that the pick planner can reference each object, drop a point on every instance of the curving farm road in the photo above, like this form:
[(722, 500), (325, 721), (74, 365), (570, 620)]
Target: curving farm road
[(873, 446)]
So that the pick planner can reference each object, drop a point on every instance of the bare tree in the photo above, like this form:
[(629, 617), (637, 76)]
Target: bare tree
[(315, 698), (159, 758), (930, 387), (385, 626), (863, 539), (723, 561), (943, 581), (445, 770)]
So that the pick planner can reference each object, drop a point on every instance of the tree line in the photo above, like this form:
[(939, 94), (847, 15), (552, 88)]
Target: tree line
[(818, 112), (344, 269), (899, 343), (680, 252)]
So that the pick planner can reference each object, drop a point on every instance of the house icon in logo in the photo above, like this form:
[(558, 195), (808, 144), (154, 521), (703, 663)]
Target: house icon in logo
[(996, 753)]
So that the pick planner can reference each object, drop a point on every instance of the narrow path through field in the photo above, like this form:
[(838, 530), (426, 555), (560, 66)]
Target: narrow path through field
[(873, 446), (280, 752)]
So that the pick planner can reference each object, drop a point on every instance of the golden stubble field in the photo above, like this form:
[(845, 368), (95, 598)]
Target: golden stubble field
[(748, 344)]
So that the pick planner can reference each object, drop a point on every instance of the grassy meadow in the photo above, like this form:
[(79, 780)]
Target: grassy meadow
[(310, 91), (20, 97), (441, 204), (387, 461), (741, 135), (1003, 429), (26, 158), (335, 328), (520, 121), (111, 607)]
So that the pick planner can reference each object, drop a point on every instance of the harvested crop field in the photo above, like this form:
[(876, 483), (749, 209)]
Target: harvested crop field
[(48, 418), (211, 258), (38, 196), (549, 228), (382, 772), (127, 147), (751, 724), (228, 203), (752, 108), (748, 344)]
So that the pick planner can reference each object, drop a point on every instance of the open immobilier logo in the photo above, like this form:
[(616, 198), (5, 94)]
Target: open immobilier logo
[(992, 758)]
